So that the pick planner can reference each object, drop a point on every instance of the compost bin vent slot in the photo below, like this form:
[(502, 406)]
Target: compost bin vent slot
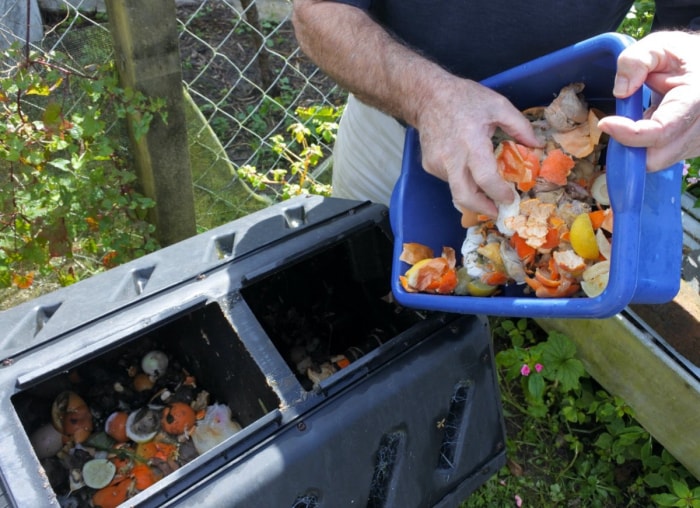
[(43, 315), (307, 500), (295, 217), (386, 458), (453, 424), (224, 245), (141, 278), (135, 284)]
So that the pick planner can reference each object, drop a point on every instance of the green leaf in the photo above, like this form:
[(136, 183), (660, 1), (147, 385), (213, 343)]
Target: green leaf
[(298, 132), (604, 441), (507, 325), (654, 480), (320, 113), (52, 115), (523, 324), (507, 358), (680, 488), (63, 164), (535, 385), (558, 359), (665, 499), (570, 414), (559, 346), (90, 125)]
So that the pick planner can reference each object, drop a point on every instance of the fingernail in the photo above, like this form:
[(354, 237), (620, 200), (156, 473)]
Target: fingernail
[(621, 86)]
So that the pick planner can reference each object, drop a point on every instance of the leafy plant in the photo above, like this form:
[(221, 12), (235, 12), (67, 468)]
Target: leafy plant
[(680, 495), (569, 441), (69, 204), (637, 22), (546, 369), (691, 177), (300, 153)]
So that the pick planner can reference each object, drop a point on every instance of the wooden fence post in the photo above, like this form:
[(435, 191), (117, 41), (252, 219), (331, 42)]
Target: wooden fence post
[(148, 60)]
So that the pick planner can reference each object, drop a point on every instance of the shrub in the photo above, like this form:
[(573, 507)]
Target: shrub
[(69, 201)]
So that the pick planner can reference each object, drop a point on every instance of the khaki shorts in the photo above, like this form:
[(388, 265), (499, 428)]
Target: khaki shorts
[(367, 154)]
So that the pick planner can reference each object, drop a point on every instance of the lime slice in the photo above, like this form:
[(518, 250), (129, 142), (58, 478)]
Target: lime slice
[(97, 473), (476, 287)]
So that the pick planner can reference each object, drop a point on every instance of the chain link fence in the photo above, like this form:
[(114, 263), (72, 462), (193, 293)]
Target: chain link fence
[(243, 69), (245, 80)]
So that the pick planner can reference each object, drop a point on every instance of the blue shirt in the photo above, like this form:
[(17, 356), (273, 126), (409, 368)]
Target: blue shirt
[(478, 38)]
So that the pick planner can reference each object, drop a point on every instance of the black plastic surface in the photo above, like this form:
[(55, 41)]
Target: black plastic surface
[(413, 420)]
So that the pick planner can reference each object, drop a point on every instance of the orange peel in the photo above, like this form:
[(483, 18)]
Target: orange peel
[(556, 167), (518, 164)]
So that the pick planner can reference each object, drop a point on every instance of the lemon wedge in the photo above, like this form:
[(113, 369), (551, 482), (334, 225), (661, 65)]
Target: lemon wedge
[(582, 237)]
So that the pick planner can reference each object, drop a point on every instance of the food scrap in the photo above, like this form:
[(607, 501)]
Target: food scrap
[(554, 239), (115, 431)]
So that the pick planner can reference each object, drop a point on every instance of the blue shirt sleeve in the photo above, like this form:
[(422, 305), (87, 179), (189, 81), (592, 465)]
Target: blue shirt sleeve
[(362, 4)]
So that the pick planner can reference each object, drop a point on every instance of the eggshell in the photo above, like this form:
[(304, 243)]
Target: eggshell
[(47, 441)]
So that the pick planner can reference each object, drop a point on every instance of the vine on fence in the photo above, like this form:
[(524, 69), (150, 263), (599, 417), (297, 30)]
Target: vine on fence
[(69, 204), (301, 153)]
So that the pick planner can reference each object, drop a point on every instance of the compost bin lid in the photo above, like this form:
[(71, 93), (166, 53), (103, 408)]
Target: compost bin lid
[(51, 316)]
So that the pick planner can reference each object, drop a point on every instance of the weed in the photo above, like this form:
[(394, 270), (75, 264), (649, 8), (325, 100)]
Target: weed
[(569, 441), (691, 177)]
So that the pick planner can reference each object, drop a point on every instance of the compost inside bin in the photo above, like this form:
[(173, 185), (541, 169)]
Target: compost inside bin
[(328, 309), (117, 423)]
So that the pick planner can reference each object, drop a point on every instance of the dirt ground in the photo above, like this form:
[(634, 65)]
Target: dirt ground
[(234, 74)]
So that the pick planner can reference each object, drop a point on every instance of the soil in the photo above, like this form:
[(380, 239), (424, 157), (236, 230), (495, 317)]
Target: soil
[(677, 322)]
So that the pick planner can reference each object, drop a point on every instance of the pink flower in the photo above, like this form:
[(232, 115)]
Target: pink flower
[(539, 367), (525, 370), (518, 501)]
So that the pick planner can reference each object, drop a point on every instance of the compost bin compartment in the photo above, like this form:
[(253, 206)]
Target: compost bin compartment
[(342, 397), (208, 367), (331, 307)]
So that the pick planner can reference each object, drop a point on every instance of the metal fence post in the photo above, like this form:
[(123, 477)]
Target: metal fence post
[(148, 59)]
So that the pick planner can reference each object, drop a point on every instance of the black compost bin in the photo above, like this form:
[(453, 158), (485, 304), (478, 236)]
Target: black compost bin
[(306, 385)]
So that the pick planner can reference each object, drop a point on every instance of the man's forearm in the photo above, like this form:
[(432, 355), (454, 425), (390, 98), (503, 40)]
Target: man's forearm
[(364, 59)]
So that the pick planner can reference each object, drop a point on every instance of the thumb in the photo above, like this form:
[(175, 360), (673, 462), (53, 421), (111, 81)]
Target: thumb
[(634, 65)]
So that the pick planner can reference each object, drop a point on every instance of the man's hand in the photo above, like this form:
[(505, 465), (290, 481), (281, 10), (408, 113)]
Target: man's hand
[(669, 63), (455, 117), (456, 123)]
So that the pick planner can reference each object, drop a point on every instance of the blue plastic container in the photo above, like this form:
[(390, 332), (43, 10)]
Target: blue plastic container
[(648, 235)]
